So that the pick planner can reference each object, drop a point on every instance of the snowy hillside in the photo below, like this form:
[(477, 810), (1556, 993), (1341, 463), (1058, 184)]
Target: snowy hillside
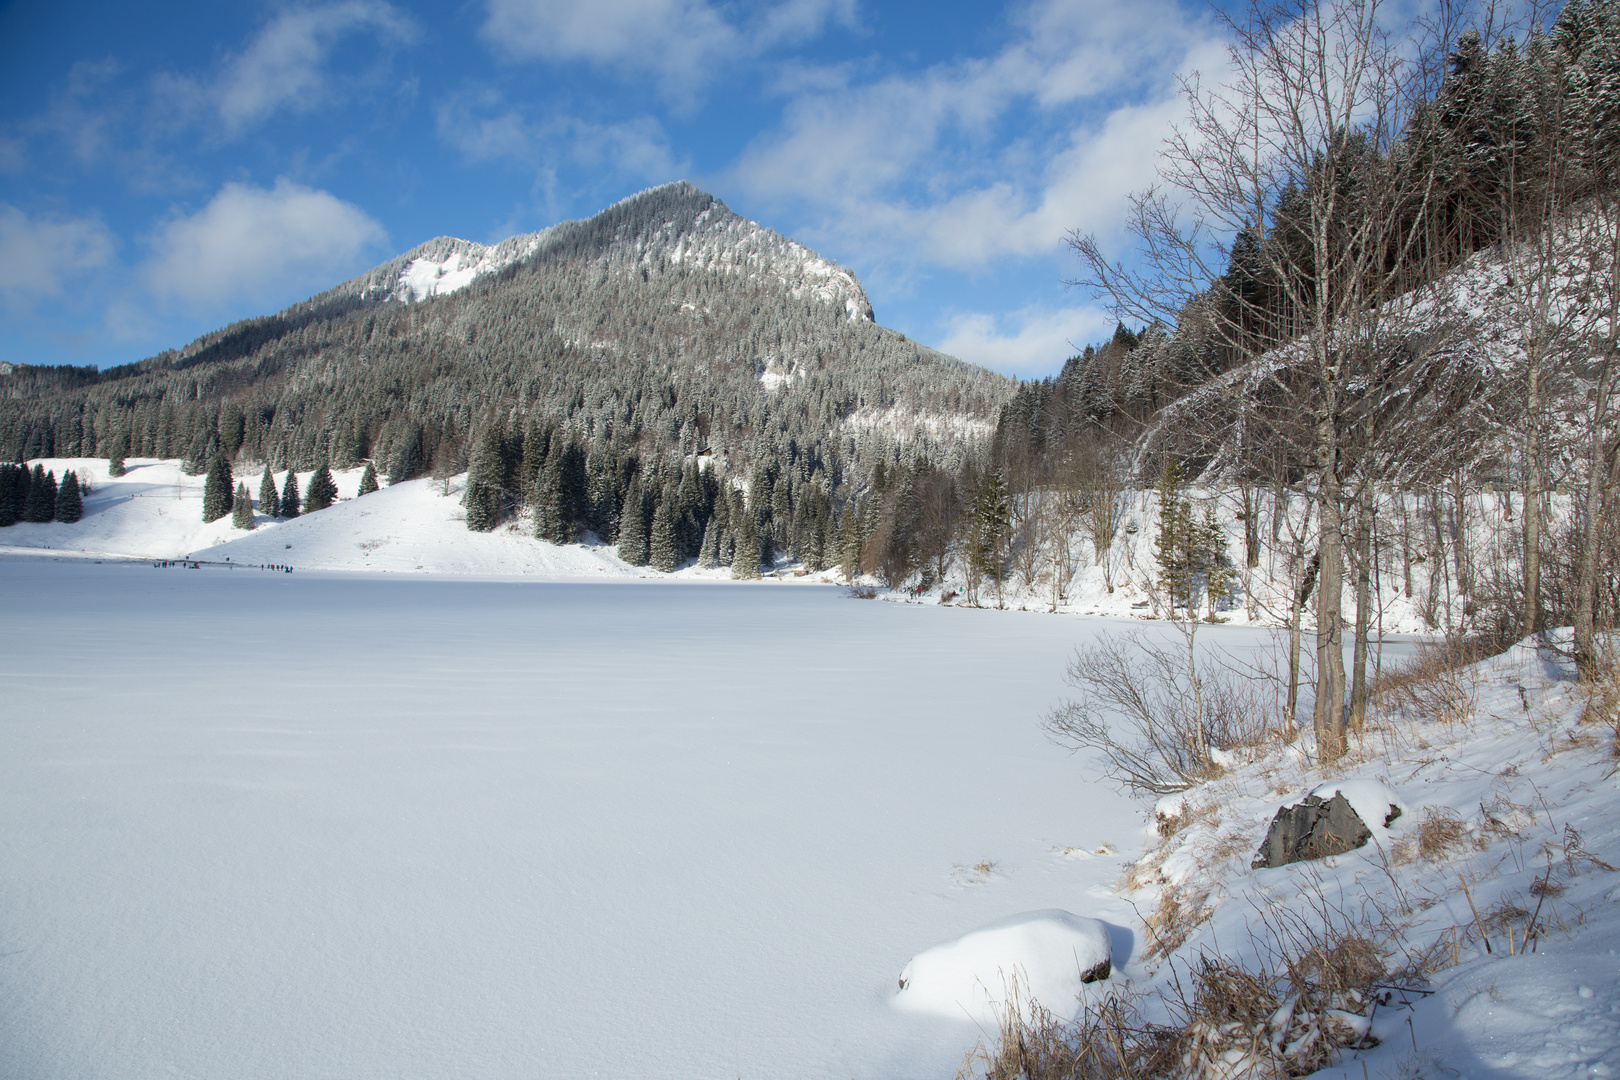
[(154, 511), (1476, 932)]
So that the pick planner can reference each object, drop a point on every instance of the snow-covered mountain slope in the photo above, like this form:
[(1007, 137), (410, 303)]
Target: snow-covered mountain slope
[(714, 239), (662, 325)]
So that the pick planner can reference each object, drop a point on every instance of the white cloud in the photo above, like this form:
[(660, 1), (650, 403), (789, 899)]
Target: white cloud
[(484, 127), (254, 244), (285, 66), (1032, 341), (974, 160), (39, 254), (679, 43)]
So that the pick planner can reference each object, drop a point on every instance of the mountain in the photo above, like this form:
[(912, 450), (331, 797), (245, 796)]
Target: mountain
[(663, 330)]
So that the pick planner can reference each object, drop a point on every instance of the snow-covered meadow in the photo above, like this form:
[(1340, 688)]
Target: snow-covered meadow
[(256, 824)]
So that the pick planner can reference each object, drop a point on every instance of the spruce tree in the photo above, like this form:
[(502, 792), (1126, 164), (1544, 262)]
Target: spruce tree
[(21, 484), (289, 495), (1220, 578), (407, 458), (483, 495), (1175, 546), (115, 466), (41, 504), (217, 489), (10, 506), (69, 505), (709, 552), (633, 528), (242, 508), (322, 490), (992, 522), (269, 500), (661, 552), (745, 563), (368, 479)]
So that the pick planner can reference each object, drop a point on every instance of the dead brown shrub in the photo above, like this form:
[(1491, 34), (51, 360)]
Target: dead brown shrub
[(1437, 684), (1441, 832), (1227, 1021), (1109, 1041), (1175, 917)]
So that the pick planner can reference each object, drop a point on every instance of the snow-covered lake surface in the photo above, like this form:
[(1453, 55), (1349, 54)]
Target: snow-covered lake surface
[(257, 824)]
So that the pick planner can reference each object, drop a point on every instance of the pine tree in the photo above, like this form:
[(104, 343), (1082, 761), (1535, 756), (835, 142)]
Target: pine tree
[(197, 457), (115, 466), (10, 506), (322, 490), (41, 504), (662, 547), (217, 489), (269, 500), (633, 528), (745, 563), (368, 479), (242, 508), (407, 457), (483, 497), (709, 552), (69, 506), (1174, 549), (290, 498), (21, 484), (1220, 577), (992, 521)]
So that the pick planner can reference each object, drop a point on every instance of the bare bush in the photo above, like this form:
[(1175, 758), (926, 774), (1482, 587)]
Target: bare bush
[(863, 592), (1109, 1041), (1154, 712), (1287, 1022), (1437, 684)]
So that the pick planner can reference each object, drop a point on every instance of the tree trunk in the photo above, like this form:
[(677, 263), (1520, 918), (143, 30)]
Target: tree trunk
[(1328, 716), (1601, 460), (1363, 560)]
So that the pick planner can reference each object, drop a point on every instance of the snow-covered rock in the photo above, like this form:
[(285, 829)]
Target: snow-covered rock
[(1374, 802), (1039, 956)]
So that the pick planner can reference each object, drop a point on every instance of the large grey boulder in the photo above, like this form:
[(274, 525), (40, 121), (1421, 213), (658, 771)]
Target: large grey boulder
[(1313, 829)]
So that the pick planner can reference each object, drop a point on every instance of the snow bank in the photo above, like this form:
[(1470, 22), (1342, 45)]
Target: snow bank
[(1039, 956), (1508, 831)]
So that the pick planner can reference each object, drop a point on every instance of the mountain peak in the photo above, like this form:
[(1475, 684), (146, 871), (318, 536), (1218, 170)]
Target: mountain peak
[(674, 226)]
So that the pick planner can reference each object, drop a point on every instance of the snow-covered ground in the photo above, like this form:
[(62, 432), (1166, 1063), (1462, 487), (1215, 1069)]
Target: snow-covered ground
[(1507, 823), (259, 825), (154, 511)]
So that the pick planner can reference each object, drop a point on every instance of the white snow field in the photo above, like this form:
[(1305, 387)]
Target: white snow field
[(154, 511), (256, 824)]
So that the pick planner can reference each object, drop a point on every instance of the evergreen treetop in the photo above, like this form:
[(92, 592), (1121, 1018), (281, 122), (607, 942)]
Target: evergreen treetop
[(290, 497), (69, 504)]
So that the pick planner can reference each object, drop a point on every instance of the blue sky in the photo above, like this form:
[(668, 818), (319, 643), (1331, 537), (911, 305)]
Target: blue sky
[(167, 169)]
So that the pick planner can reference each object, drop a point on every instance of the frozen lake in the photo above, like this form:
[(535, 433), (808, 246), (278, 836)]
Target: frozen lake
[(268, 825)]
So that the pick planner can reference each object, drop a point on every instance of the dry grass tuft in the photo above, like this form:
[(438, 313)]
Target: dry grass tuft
[(1178, 913), (1109, 1041), (1437, 685), (1441, 832)]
